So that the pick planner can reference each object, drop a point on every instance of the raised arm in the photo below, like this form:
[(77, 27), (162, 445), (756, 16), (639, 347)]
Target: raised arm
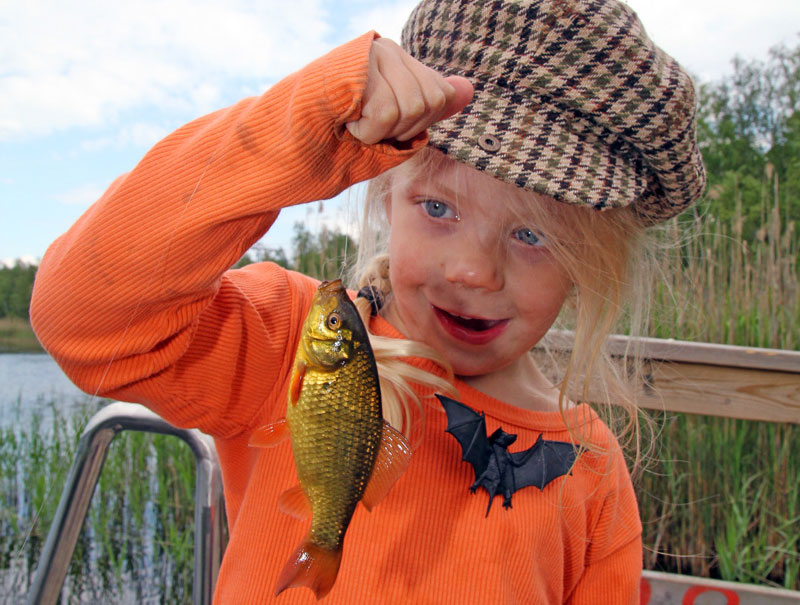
[(134, 300)]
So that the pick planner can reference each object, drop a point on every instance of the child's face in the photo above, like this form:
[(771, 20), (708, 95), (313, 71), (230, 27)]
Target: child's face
[(469, 277)]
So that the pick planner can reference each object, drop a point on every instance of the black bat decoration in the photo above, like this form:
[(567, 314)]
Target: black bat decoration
[(496, 469)]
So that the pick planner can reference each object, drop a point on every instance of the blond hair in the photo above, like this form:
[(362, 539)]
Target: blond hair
[(608, 257)]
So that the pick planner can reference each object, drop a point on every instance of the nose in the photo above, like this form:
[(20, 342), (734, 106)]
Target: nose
[(474, 264)]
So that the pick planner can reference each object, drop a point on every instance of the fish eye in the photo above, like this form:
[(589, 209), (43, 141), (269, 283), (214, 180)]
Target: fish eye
[(334, 321)]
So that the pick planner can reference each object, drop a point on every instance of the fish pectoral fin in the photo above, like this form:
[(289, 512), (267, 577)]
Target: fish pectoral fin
[(394, 456), (295, 503), (269, 435), (296, 385)]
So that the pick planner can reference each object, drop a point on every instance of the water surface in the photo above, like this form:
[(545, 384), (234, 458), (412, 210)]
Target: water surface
[(32, 382)]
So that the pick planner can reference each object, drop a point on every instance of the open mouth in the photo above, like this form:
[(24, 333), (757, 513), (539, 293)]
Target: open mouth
[(473, 330)]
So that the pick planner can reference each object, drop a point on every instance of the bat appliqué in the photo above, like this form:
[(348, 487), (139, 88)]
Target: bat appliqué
[(496, 469)]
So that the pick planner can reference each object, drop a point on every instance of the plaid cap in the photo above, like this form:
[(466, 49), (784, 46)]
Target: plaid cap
[(572, 100)]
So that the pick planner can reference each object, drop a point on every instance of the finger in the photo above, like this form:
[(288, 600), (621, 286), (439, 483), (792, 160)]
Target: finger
[(457, 92), (408, 80), (436, 93), (379, 112), (464, 91)]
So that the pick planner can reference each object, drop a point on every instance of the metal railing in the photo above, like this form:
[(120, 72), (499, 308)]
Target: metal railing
[(209, 514)]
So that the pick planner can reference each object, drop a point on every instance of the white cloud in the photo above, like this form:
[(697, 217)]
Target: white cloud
[(387, 18), (705, 35), (83, 63), (86, 62), (25, 259), (84, 195), (137, 134)]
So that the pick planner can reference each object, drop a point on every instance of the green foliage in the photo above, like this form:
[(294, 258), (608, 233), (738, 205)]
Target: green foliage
[(322, 255), (138, 539), (261, 254), (749, 134), (719, 501), (16, 285)]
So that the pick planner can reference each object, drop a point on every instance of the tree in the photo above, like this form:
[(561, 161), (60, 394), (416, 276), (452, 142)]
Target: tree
[(748, 134), (16, 286), (323, 255), (259, 253)]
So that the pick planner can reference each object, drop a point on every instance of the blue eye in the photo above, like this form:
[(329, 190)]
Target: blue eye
[(527, 236), (438, 209)]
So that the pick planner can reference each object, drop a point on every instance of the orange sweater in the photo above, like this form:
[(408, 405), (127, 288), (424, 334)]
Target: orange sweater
[(135, 303)]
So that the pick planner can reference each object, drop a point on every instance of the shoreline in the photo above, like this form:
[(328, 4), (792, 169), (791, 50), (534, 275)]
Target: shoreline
[(17, 336)]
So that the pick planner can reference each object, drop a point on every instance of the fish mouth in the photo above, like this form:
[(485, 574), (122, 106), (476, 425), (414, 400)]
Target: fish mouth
[(473, 330)]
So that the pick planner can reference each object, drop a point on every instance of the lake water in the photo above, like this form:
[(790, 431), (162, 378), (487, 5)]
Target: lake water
[(32, 382)]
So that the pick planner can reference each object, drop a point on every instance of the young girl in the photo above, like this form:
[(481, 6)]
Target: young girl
[(493, 226)]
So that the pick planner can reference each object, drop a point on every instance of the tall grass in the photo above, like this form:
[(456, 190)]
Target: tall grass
[(720, 499), (137, 542), (721, 496), (725, 289)]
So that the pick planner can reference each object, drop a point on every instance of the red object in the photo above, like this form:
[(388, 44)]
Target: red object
[(696, 591)]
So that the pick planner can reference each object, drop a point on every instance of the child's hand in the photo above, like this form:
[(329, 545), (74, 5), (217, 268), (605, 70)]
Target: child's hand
[(403, 97)]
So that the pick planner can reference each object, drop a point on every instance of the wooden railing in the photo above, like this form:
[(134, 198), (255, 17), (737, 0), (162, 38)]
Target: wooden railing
[(717, 380)]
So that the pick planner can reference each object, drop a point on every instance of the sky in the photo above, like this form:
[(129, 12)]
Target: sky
[(87, 87)]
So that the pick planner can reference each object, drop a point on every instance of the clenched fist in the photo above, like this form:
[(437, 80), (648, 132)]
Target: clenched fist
[(403, 97)]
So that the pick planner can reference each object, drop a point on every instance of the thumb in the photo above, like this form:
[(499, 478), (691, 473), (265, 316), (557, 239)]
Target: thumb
[(463, 95)]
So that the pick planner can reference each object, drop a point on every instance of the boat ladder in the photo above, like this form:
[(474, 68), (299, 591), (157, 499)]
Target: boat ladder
[(209, 513)]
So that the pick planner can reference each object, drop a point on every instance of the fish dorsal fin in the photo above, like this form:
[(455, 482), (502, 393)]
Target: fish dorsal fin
[(295, 503), (269, 435), (394, 456)]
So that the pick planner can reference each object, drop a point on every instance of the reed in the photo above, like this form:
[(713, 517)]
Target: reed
[(720, 498), (725, 289), (137, 542)]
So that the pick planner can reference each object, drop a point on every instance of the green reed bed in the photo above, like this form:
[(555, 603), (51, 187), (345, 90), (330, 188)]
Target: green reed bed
[(720, 497), (137, 542), (723, 288)]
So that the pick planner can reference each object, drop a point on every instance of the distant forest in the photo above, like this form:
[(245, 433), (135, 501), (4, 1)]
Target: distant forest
[(749, 134)]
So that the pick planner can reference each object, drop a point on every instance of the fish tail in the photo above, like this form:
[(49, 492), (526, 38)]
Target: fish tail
[(312, 566)]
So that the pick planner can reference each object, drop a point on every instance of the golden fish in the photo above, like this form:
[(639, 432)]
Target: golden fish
[(343, 450)]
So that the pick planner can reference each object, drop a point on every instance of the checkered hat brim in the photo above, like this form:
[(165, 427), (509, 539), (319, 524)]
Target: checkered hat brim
[(572, 99)]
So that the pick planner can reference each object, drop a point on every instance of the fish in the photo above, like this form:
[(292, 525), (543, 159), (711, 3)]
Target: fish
[(343, 449)]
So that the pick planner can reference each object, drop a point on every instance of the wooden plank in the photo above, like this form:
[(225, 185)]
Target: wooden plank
[(693, 352), (717, 380), (671, 589), (722, 391)]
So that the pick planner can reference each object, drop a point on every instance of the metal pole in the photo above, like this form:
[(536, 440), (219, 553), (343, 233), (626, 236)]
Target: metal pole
[(209, 514)]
